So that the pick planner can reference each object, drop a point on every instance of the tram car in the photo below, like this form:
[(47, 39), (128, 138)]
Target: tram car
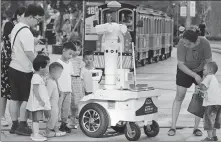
[(150, 30)]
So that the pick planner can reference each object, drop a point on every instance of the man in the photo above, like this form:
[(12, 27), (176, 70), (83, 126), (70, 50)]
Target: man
[(20, 68), (202, 28)]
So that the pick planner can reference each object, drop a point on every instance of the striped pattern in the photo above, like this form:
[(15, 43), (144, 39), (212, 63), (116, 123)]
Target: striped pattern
[(100, 63)]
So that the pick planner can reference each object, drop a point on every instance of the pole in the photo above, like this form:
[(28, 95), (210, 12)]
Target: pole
[(188, 18), (83, 29), (178, 8)]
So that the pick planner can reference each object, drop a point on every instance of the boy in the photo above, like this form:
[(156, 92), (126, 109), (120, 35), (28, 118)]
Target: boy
[(86, 74), (55, 70), (212, 101), (64, 83)]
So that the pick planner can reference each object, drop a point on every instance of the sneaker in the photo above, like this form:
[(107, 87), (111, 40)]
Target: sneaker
[(38, 137), (13, 128), (25, 131), (4, 123), (64, 128), (208, 139), (215, 138)]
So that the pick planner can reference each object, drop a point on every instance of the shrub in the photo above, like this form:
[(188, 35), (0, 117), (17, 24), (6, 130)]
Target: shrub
[(213, 38)]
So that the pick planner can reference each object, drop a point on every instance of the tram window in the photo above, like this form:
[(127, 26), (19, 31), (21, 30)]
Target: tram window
[(158, 27), (126, 17), (150, 26), (107, 16), (145, 26), (155, 26)]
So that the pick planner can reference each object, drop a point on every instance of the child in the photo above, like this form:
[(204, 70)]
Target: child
[(77, 86), (38, 100), (86, 74), (64, 84), (52, 128), (212, 101)]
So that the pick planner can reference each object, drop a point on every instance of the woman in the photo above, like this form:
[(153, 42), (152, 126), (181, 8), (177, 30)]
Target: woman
[(66, 29), (192, 54), (5, 61)]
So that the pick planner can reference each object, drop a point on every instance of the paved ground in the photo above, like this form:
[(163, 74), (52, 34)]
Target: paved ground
[(160, 75)]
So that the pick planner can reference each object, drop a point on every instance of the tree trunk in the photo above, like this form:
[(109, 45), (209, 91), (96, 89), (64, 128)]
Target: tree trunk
[(214, 18)]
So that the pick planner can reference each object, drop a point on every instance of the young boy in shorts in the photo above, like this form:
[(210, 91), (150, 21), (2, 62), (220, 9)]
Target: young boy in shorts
[(64, 84), (212, 101), (52, 128)]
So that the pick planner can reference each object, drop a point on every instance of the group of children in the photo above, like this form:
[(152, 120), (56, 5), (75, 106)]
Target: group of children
[(56, 89)]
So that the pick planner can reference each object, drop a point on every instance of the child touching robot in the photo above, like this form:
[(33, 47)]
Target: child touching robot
[(86, 74), (212, 101)]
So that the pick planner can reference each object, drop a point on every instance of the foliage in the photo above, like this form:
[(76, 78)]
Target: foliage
[(213, 38)]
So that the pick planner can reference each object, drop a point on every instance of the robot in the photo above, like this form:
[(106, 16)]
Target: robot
[(112, 31), (121, 105)]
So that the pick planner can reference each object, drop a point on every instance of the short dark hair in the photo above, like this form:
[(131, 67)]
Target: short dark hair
[(40, 61), (69, 45), (34, 10), (19, 12), (54, 66), (213, 66), (191, 35), (87, 53)]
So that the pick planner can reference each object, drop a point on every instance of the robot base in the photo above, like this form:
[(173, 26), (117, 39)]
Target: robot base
[(124, 111)]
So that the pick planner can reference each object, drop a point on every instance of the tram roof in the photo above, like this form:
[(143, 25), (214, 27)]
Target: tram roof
[(122, 6)]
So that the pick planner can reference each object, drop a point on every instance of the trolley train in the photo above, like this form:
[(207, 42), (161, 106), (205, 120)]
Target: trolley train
[(150, 30)]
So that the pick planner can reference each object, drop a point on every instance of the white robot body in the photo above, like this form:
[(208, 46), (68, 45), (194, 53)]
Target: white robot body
[(111, 47)]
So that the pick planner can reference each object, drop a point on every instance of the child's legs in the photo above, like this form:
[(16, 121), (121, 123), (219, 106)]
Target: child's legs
[(65, 106), (217, 120), (209, 120), (53, 120), (73, 108), (36, 117)]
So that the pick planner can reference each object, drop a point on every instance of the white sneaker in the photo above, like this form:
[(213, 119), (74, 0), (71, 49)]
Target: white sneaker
[(4, 123), (38, 137)]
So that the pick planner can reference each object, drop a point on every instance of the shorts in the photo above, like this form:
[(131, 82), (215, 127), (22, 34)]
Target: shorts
[(212, 117), (185, 80), (20, 84), (36, 116)]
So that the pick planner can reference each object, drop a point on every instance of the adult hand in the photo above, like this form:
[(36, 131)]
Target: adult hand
[(198, 78), (37, 41)]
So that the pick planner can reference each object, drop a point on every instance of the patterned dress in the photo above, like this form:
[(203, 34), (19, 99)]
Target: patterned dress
[(5, 61), (77, 85)]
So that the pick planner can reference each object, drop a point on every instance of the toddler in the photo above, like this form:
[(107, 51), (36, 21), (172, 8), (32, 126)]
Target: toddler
[(52, 128), (64, 84), (38, 101), (86, 74), (212, 101)]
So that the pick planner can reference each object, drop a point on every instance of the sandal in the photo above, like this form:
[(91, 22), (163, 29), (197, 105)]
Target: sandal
[(197, 132), (171, 132)]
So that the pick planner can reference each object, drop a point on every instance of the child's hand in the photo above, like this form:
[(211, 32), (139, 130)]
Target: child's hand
[(42, 103), (47, 114)]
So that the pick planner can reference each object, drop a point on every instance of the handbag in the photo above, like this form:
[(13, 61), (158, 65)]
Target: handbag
[(196, 105)]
